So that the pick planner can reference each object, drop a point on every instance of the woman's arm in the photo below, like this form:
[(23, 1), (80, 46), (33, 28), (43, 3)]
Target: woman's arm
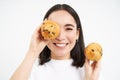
[(23, 71), (36, 46), (92, 70)]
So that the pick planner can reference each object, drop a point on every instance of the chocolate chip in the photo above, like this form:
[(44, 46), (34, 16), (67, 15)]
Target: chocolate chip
[(53, 33), (92, 50)]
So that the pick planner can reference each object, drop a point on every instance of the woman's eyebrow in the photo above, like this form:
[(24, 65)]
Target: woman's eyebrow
[(69, 25)]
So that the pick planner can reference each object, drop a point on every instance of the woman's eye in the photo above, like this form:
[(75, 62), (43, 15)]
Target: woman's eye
[(69, 29)]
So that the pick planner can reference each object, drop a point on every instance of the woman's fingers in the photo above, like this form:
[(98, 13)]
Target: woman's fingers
[(87, 61), (97, 65), (37, 32)]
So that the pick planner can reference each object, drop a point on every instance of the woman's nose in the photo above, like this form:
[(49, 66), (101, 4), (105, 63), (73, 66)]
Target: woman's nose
[(61, 36)]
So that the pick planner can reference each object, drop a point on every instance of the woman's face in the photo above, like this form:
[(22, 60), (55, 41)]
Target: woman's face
[(64, 43)]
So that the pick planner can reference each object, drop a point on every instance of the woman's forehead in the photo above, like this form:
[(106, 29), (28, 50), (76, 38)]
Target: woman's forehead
[(61, 16)]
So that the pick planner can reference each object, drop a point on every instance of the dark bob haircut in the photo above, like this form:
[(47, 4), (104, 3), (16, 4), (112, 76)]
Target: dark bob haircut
[(77, 53)]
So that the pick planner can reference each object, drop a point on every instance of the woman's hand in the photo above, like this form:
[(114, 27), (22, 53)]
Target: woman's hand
[(92, 70), (36, 46), (37, 42)]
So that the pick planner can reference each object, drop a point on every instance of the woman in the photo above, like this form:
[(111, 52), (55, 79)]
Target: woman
[(62, 58)]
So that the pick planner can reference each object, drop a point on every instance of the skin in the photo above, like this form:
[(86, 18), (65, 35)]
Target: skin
[(60, 47)]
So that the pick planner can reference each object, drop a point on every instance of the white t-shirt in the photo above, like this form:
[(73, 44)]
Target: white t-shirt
[(57, 70)]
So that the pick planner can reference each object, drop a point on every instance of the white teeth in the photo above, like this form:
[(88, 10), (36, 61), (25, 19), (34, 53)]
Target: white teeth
[(60, 45)]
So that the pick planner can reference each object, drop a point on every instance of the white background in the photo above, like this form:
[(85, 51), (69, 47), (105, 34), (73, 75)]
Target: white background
[(100, 20)]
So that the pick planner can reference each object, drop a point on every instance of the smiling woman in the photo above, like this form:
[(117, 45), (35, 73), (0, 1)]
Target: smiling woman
[(70, 27), (61, 58)]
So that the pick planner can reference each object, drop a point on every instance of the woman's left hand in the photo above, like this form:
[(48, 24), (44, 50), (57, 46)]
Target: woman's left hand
[(92, 70)]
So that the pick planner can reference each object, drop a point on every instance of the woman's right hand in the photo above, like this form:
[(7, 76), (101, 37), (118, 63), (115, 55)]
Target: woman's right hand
[(37, 43)]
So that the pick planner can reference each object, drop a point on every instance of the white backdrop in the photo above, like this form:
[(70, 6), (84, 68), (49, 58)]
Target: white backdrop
[(100, 20)]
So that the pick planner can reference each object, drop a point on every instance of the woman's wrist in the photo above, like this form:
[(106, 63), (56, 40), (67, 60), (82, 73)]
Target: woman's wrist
[(32, 54)]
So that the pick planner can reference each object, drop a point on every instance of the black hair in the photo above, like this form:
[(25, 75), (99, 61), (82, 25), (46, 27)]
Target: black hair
[(77, 53)]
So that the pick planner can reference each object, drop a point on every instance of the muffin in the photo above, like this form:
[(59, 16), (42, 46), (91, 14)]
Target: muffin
[(50, 30), (93, 52)]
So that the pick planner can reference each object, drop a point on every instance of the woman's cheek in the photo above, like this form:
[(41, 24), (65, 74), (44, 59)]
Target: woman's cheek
[(72, 36)]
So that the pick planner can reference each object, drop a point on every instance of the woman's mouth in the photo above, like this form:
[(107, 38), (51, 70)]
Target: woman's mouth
[(60, 44)]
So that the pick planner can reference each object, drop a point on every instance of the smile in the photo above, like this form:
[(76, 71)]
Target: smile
[(61, 44)]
